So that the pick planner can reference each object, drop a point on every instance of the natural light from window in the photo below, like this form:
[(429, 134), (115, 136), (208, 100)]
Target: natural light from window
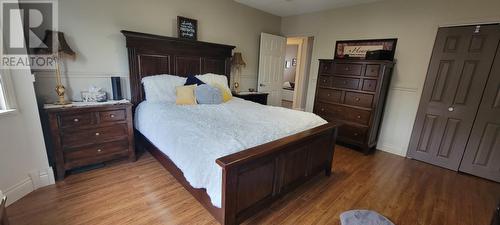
[(2, 96)]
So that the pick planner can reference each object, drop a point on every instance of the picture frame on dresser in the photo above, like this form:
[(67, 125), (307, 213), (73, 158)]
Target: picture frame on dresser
[(357, 49)]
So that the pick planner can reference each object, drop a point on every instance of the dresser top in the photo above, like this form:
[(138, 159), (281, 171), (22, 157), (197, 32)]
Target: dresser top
[(80, 105)]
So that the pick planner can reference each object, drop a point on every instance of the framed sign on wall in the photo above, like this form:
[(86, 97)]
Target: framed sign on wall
[(357, 49), (187, 28)]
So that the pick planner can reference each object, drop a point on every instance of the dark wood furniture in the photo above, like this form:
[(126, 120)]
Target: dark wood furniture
[(3, 212), (252, 178), (353, 93), (82, 136), (496, 215), (257, 97)]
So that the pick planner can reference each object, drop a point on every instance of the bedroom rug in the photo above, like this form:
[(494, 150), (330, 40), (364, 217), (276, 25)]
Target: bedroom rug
[(363, 217)]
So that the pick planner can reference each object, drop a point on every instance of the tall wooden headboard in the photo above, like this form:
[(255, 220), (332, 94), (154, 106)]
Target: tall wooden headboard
[(150, 54)]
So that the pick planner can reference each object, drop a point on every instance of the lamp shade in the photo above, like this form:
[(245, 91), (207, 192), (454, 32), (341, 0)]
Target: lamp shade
[(237, 60), (55, 42)]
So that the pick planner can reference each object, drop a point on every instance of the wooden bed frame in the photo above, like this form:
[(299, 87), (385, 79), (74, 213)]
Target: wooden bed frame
[(252, 178)]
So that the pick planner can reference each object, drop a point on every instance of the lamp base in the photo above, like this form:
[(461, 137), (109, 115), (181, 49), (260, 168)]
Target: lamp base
[(60, 93)]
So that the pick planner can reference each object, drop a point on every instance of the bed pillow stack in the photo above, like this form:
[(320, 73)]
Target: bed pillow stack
[(162, 88), (218, 81)]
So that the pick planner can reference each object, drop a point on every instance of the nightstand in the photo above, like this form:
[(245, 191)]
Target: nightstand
[(83, 135), (257, 97)]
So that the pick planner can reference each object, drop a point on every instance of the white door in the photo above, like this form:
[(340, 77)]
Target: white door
[(271, 67)]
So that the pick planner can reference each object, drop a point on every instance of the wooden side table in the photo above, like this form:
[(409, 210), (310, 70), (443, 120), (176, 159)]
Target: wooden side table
[(257, 97), (86, 135)]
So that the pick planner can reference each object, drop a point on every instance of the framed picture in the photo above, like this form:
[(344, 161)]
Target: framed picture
[(356, 49), (187, 28)]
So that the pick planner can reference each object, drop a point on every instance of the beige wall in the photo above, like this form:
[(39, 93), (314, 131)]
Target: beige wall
[(92, 28), (415, 24)]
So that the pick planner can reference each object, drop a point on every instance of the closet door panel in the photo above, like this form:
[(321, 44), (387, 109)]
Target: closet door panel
[(458, 71), (482, 155)]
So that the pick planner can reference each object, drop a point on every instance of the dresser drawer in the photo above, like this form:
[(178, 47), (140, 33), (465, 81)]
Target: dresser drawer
[(358, 99), (74, 119), (348, 69), (325, 81), (372, 70), (75, 138), (329, 95), (369, 85), (112, 116), (95, 153), (352, 133), (349, 83), (356, 115), (326, 68), (96, 150)]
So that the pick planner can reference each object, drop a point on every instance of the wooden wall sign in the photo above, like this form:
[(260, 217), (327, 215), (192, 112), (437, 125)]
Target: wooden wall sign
[(356, 49), (187, 28)]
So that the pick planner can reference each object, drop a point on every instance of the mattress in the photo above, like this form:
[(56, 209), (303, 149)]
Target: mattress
[(194, 136)]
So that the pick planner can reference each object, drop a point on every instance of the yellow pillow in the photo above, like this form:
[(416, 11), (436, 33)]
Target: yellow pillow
[(226, 94), (185, 95)]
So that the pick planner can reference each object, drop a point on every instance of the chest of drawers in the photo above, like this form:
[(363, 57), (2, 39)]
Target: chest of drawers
[(81, 136), (353, 92)]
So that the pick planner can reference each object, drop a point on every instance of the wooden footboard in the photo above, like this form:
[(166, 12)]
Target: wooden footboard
[(254, 178)]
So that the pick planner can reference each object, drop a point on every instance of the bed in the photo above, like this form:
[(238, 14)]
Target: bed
[(246, 176)]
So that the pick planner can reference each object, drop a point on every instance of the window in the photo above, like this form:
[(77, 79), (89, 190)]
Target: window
[(3, 105), (7, 103)]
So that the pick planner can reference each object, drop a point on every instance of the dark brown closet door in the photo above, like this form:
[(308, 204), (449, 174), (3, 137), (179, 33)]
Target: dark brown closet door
[(482, 155), (457, 74)]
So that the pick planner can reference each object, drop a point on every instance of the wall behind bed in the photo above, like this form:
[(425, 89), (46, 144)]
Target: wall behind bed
[(414, 23), (92, 28)]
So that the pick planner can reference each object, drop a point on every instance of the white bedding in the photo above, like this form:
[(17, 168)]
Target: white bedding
[(194, 136)]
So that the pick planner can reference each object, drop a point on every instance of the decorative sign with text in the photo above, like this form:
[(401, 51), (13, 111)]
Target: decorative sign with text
[(356, 49), (187, 28)]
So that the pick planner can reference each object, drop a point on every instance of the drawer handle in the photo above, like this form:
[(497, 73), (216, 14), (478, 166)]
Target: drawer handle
[(359, 117), (99, 150), (322, 109), (357, 99), (347, 68), (112, 116), (345, 82), (328, 95), (356, 134), (76, 120), (97, 134)]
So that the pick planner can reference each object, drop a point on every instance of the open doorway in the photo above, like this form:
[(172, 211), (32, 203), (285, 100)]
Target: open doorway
[(296, 72)]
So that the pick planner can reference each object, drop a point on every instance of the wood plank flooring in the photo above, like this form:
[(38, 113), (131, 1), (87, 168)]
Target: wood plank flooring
[(405, 191)]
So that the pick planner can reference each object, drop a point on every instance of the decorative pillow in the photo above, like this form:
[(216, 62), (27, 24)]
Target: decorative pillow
[(161, 88), (226, 93), (193, 80), (213, 79), (206, 94), (185, 95)]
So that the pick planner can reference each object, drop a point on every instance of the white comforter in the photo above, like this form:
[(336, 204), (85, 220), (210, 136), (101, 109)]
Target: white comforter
[(193, 137)]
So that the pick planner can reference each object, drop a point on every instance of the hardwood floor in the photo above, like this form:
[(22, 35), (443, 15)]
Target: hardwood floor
[(405, 191)]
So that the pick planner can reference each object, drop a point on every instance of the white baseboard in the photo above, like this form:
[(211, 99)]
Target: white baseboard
[(392, 150), (35, 180)]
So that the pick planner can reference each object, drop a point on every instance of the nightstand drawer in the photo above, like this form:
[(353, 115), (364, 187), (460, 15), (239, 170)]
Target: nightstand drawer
[(74, 119), (76, 138), (112, 116), (96, 150)]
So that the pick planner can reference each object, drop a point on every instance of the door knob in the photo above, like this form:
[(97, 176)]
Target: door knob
[(451, 109), (262, 85)]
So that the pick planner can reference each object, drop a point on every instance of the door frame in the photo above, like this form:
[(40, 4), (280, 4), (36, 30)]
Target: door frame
[(304, 56)]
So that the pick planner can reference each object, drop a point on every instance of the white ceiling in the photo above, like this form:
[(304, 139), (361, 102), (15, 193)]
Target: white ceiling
[(296, 7)]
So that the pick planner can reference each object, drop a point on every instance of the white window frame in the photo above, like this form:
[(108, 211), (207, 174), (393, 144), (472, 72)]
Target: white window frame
[(7, 101)]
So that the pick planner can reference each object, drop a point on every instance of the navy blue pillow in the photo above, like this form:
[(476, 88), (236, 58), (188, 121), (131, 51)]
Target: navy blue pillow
[(193, 80)]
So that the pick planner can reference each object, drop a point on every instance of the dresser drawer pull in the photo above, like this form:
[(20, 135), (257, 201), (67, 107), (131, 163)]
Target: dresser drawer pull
[(76, 120), (322, 109), (347, 68), (99, 150), (359, 117), (357, 99), (328, 95), (345, 82), (356, 134), (112, 116), (97, 134)]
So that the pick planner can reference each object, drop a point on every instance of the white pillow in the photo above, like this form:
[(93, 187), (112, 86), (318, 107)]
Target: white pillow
[(161, 88), (212, 79)]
